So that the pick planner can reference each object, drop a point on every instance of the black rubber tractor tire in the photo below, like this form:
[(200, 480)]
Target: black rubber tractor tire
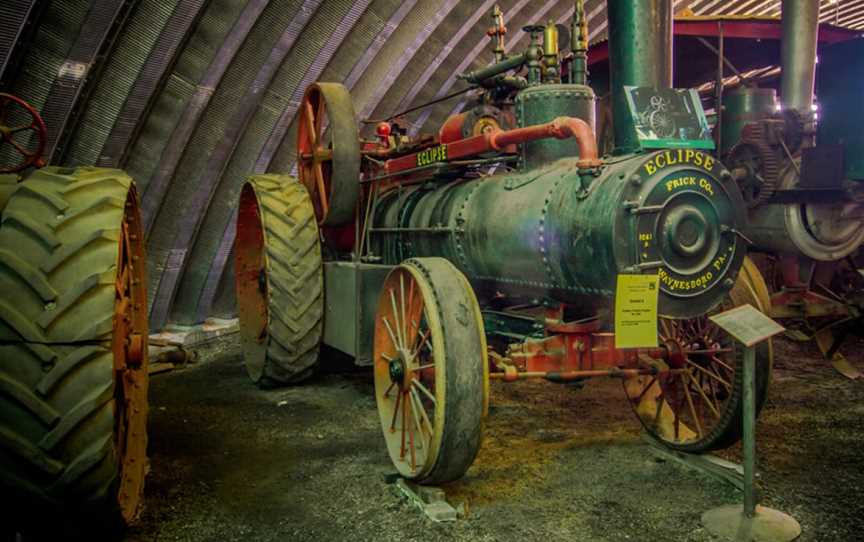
[(279, 280), (72, 412), (8, 184)]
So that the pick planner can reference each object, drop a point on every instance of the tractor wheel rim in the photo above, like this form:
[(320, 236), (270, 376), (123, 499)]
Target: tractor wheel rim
[(129, 346)]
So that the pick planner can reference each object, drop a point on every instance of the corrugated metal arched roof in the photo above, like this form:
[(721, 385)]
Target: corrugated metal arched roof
[(190, 96)]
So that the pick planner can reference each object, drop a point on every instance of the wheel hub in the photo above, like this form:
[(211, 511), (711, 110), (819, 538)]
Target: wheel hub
[(676, 356), (397, 370)]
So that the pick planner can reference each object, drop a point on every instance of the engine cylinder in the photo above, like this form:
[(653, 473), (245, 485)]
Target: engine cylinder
[(821, 231), (558, 233)]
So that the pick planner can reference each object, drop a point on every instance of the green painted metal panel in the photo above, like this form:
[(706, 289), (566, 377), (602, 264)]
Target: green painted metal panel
[(351, 300), (560, 234)]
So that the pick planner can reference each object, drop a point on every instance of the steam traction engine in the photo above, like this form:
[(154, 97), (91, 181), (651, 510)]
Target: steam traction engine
[(802, 184), (491, 251)]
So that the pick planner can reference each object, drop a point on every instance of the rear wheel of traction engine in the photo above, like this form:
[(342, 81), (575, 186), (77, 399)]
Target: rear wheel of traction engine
[(430, 370), (836, 319), (279, 280), (73, 353), (699, 409)]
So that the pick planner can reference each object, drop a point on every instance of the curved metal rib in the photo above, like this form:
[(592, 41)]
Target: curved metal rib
[(149, 80), (180, 137), (218, 283), (158, 185), (14, 16), (185, 305), (224, 150), (103, 17)]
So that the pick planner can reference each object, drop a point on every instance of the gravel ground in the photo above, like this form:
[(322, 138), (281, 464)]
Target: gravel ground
[(231, 462)]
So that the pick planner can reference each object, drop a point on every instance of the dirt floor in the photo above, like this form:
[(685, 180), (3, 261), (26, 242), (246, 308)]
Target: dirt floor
[(231, 462)]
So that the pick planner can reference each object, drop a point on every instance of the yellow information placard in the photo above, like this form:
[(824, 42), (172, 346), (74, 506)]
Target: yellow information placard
[(636, 311)]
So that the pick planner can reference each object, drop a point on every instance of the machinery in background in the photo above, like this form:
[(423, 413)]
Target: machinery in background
[(491, 250), (73, 340), (802, 184)]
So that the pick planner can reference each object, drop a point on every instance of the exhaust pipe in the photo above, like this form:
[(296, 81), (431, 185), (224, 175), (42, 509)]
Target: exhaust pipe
[(640, 54), (800, 28)]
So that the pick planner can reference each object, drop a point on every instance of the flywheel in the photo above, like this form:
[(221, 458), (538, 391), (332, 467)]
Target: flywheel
[(328, 152), (761, 162)]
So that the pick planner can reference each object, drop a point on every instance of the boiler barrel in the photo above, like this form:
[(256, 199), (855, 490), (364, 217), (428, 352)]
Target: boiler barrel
[(551, 233)]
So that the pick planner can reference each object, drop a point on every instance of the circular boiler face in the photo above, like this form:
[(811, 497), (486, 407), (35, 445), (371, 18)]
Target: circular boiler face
[(685, 225)]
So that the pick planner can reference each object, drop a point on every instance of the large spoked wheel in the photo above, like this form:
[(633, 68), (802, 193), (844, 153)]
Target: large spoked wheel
[(279, 280), (73, 353), (832, 310), (698, 408), (18, 119), (328, 152), (430, 370)]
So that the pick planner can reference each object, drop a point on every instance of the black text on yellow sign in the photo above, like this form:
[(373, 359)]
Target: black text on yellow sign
[(636, 311)]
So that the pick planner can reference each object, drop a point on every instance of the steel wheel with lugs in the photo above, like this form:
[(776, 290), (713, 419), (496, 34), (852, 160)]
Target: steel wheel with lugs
[(73, 359), (699, 407), (430, 354), (279, 280)]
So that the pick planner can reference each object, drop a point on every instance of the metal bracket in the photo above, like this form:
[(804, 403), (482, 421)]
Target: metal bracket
[(429, 499)]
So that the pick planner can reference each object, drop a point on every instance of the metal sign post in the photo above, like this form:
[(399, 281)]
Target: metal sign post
[(750, 522)]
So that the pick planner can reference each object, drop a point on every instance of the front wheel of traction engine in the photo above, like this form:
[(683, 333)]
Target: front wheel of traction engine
[(430, 370), (279, 280), (699, 408), (73, 354)]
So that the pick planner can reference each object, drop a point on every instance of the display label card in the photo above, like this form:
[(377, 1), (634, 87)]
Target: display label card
[(747, 324), (636, 311)]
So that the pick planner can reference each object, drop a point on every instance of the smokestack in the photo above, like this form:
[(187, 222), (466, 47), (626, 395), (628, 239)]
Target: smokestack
[(800, 24), (640, 54)]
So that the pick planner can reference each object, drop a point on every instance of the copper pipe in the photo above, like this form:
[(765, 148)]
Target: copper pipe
[(560, 128)]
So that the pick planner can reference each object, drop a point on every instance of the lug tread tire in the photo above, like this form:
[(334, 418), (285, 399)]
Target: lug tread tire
[(58, 261), (295, 281)]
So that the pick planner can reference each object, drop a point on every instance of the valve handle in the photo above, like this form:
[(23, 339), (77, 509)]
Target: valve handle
[(7, 134)]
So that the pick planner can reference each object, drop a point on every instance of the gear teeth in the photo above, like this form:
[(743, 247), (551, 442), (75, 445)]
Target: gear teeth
[(754, 135)]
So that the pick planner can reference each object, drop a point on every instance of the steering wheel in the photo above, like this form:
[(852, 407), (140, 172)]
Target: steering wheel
[(32, 122)]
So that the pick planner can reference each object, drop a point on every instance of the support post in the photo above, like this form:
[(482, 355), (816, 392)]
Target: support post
[(749, 444), (718, 90), (749, 522)]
